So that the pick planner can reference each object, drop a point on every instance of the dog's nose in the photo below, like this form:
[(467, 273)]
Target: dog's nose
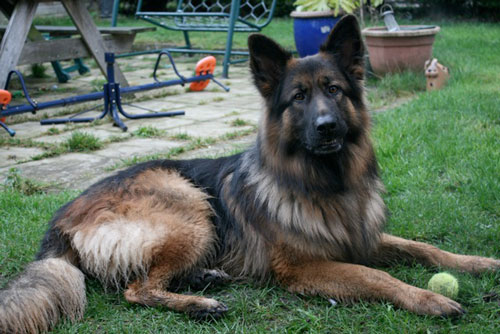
[(326, 124)]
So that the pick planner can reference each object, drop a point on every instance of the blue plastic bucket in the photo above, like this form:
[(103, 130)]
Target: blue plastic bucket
[(311, 32)]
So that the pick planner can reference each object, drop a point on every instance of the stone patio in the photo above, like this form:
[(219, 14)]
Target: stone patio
[(221, 121)]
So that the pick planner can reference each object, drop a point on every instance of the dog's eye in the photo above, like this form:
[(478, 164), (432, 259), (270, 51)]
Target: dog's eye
[(333, 89), (299, 96)]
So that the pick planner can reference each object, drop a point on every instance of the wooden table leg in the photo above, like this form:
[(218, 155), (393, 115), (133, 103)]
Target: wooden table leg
[(91, 36), (15, 36)]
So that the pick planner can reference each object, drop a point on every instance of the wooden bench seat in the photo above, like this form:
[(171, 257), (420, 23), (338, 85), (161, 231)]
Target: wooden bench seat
[(68, 45), (71, 30)]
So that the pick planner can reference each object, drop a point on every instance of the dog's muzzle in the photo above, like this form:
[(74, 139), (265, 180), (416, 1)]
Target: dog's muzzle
[(329, 135)]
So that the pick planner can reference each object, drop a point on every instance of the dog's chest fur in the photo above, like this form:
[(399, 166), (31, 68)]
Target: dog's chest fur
[(344, 226)]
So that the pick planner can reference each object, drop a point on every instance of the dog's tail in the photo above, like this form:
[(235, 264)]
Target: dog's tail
[(47, 291)]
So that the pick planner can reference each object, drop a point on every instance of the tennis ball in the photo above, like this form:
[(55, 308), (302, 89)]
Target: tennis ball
[(444, 284)]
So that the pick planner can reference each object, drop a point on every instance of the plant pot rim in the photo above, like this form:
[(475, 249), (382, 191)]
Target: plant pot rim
[(382, 32), (304, 15)]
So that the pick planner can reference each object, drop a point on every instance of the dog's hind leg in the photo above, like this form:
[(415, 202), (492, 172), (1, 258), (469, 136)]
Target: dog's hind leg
[(392, 249), (189, 242), (152, 290), (185, 248), (154, 228)]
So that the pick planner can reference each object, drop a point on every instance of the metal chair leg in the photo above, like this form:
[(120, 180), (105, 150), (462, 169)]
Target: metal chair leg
[(235, 12)]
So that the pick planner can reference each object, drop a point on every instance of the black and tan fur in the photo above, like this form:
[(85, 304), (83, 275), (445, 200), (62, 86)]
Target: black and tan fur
[(302, 206)]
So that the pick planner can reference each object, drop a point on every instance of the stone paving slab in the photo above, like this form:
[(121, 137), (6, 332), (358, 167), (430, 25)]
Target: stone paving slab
[(206, 113), (137, 147), (221, 149), (206, 97), (154, 105), (26, 130), (103, 134), (252, 116), (67, 171), (12, 155), (248, 102), (163, 123), (208, 129)]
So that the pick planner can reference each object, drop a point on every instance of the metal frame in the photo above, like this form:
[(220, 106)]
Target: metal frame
[(236, 24), (111, 95)]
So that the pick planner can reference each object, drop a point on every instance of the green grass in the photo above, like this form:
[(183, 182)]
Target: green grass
[(438, 157), (15, 182), (240, 122), (53, 131), (181, 136), (38, 71), (82, 142), (97, 84), (384, 91), (148, 132)]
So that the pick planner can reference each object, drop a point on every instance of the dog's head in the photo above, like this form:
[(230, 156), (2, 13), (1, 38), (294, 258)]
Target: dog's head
[(315, 104)]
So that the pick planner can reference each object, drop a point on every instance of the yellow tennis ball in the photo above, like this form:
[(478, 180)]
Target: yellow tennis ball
[(444, 284)]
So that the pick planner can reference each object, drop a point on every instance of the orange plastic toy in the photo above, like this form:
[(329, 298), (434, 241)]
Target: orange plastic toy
[(5, 97), (203, 67)]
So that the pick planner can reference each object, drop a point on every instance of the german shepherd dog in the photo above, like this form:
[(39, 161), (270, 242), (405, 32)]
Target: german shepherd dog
[(301, 207)]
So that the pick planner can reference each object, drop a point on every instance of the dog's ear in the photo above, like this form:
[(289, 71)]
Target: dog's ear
[(267, 63), (346, 45)]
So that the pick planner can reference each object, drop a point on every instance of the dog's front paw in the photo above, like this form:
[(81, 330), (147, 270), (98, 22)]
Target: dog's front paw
[(209, 309), (430, 303), (478, 264)]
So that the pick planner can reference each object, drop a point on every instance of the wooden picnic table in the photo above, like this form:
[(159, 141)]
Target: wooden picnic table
[(93, 41)]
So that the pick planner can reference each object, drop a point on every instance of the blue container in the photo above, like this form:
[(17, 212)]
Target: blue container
[(311, 32)]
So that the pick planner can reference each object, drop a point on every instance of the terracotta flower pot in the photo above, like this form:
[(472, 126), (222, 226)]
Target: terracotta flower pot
[(401, 50)]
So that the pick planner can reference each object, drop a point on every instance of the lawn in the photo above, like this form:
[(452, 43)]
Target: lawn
[(439, 157)]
